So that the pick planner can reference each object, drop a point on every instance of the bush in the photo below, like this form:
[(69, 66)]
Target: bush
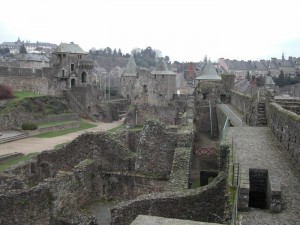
[(29, 126), (6, 92)]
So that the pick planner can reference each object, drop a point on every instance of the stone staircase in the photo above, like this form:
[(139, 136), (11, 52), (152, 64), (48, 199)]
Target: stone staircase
[(13, 138), (261, 115)]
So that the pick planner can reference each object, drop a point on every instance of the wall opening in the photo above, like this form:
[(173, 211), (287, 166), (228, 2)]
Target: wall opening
[(204, 96), (83, 77), (222, 97), (72, 67), (206, 177), (258, 188), (73, 82)]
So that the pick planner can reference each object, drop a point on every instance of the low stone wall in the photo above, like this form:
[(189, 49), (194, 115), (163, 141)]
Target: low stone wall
[(240, 101), (69, 125), (221, 119), (285, 125), (206, 204), (57, 118)]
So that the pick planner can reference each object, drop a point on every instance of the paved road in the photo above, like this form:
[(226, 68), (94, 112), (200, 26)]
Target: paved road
[(256, 147), (34, 144)]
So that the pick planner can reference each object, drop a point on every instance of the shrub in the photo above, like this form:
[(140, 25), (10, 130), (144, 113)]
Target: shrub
[(6, 92), (29, 126)]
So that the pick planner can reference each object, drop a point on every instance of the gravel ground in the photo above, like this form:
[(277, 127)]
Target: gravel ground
[(33, 144)]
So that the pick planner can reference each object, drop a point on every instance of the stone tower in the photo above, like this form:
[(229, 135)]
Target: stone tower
[(128, 77), (71, 66), (166, 80)]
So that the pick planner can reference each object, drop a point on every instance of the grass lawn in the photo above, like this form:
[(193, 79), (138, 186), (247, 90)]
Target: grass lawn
[(113, 130), (19, 96), (61, 145), (9, 163), (82, 126), (25, 94)]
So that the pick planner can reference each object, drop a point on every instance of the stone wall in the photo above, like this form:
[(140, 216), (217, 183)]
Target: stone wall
[(31, 206), (43, 130), (155, 150), (30, 110), (18, 83), (285, 126), (110, 110), (240, 101), (104, 148), (206, 204), (16, 71)]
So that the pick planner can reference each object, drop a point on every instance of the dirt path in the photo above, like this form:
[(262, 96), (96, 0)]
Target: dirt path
[(34, 144)]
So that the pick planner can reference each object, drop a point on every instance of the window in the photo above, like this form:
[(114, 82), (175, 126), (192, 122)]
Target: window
[(63, 73), (72, 67), (83, 77)]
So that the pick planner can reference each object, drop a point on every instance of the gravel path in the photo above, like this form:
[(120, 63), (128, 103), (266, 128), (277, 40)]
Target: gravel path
[(34, 144)]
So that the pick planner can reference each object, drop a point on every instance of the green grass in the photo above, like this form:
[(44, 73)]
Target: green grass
[(6, 165), (51, 124), (113, 130), (25, 94), (232, 191), (196, 183), (82, 126), (61, 145), (137, 128), (19, 96)]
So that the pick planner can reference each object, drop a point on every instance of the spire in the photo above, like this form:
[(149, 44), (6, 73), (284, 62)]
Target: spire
[(282, 57), (162, 68), (131, 68)]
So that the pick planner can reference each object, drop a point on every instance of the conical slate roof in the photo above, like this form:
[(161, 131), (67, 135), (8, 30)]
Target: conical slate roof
[(162, 68), (209, 73), (131, 68), (69, 48)]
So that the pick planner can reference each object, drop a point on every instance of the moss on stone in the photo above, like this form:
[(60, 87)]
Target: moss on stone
[(285, 113)]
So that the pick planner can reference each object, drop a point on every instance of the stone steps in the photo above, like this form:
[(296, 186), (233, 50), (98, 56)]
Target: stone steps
[(13, 138)]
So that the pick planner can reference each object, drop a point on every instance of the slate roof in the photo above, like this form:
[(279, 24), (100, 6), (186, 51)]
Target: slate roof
[(131, 68), (32, 57), (209, 73), (69, 48), (162, 68)]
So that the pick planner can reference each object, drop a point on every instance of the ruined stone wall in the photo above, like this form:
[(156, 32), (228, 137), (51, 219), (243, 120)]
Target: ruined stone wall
[(100, 147), (138, 115), (126, 86), (166, 84), (129, 185), (24, 113), (110, 110), (155, 150), (206, 204), (285, 125), (43, 130), (31, 206)]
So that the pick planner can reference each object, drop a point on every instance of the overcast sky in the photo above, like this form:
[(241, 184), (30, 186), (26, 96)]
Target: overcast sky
[(185, 30)]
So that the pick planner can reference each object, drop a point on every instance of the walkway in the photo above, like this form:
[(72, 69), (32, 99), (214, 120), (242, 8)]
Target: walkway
[(34, 144), (234, 115), (256, 147)]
